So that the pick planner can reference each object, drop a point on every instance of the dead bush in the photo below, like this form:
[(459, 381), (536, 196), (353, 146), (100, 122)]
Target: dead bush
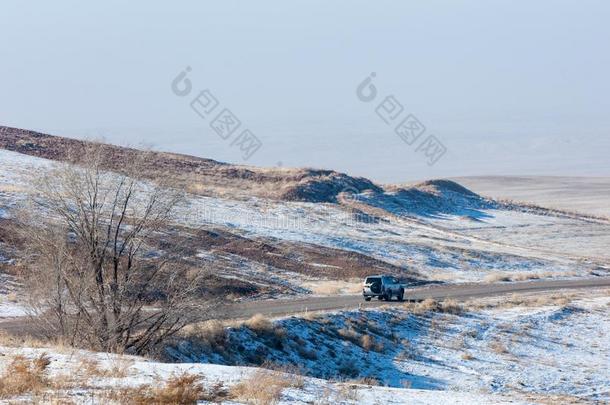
[(212, 334), (91, 367), (350, 334), (498, 347), (369, 343), (427, 305), (451, 306), (9, 340), (24, 376), (496, 277), (467, 356), (262, 388), (179, 389), (262, 326)]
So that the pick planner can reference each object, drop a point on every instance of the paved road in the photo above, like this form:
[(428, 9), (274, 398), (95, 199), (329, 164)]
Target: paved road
[(283, 307), (280, 307)]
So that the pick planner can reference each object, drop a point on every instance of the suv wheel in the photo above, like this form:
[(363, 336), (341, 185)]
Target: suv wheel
[(401, 295), (367, 298)]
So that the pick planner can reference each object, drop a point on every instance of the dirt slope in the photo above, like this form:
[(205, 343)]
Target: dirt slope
[(199, 175)]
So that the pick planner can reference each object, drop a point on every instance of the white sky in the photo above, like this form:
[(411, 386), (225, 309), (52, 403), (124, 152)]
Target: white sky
[(510, 87)]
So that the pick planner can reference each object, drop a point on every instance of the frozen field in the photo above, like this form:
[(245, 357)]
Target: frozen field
[(584, 194)]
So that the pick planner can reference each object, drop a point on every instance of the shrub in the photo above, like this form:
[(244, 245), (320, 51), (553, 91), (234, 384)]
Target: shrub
[(259, 324), (263, 327), (496, 277), (212, 334), (498, 347), (426, 305), (179, 389), (350, 334), (451, 306), (369, 343), (262, 388), (467, 356), (24, 375)]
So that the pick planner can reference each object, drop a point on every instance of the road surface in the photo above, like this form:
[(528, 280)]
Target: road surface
[(281, 307), (284, 307)]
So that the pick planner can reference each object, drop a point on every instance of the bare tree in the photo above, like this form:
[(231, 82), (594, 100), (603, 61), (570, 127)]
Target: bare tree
[(98, 275)]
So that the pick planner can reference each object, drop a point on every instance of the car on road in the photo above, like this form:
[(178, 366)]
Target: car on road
[(384, 287)]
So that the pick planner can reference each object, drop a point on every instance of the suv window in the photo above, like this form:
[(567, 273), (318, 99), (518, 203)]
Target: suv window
[(371, 280)]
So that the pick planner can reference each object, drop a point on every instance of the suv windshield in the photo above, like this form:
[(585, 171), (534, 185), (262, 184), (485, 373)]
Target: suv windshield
[(371, 280)]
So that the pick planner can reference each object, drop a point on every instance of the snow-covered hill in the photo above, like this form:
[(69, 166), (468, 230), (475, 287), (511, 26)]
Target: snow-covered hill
[(432, 231)]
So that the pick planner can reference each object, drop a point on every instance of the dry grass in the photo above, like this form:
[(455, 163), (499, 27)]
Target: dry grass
[(467, 356), (368, 343), (260, 325), (496, 277), (262, 388), (498, 347), (25, 376), (91, 367), (449, 306), (119, 367), (178, 389), (30, 376), (212, 334), (523, 300), (350, 334), (263, 327), (8, 340), (505, 276), (11, 297), (427, 305), (181, 389)]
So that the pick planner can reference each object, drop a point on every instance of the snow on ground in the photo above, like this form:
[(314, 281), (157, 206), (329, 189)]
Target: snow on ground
[(526, 350), (443, 246), (434, 251), (9, 303), (547, 347), (575, 236), (133, 372), (583, 194), (10, 309)]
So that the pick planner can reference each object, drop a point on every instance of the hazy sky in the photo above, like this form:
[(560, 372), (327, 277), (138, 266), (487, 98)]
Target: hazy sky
[(509, 87)]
